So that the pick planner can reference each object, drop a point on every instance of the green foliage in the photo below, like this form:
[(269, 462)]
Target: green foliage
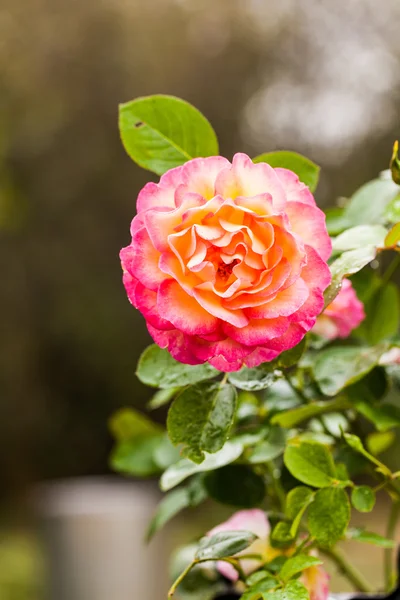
[(297, 564), (382, 320), (254, 380), (363, 498), (359, 237), (281, 535), (294, 590), (340, 366), (329, 515), (269, 448), (305, 169), (162, 132), (348, 263), (384, 416), (258, 589), (137, 441), (201, 417), (360, 535), (293, 419), (395, 163), (393, 237), (174, 502), (310, 462), (184, 468), (224, 544), (157, 368), (368, 204), (379, 441)]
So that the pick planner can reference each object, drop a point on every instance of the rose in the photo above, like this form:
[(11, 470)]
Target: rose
[(315, 579), (344, 314), (227, 261)]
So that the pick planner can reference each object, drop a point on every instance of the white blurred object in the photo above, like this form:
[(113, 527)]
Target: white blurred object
[(93, 533)]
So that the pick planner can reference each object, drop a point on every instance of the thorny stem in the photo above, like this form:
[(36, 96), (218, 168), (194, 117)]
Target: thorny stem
[(390, 534), (352, 574)]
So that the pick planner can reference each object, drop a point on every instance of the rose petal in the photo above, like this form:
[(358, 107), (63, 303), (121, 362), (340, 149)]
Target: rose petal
[(309, 223), (183, 311)]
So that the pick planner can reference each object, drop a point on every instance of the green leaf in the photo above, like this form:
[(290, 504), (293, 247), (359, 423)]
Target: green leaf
[(255, 379), (310, 462), (384, 417), (305, 169), (165, 453), (173, 503), (185, 468), (295, 565), (235, 485), (258, 589), (335, 220), (127, 424), (363, 498), (359, 237), (254, 578), (329, 515), (395, 163), (296, 499), (272, 447), (294, 590), (162, 397), (136, 457), (201, 418), (226, 543), (393, 237), (354, 442), (360, 535), (379, 441), (162, 132), (275, 565), (340, 366), (157, 368), (347, 264), (371, 388), (293, 417), (291, 357), (392, 210), (281, 535), (169, 506), (382, 314), (368, 203)]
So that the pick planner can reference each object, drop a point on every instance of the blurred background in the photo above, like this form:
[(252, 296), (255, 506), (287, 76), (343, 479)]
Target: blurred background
[(318, 77)]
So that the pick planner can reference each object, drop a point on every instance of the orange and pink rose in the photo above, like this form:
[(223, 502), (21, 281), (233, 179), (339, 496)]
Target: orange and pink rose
[(344, 314), (227, 261)]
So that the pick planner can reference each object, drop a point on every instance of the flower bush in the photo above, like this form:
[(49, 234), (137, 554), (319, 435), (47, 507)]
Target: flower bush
[(277, 347)]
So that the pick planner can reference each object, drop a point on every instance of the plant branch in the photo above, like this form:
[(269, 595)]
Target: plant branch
[(278, 488), (390, 270), (181, 577), (390, 534), (352, 574)]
